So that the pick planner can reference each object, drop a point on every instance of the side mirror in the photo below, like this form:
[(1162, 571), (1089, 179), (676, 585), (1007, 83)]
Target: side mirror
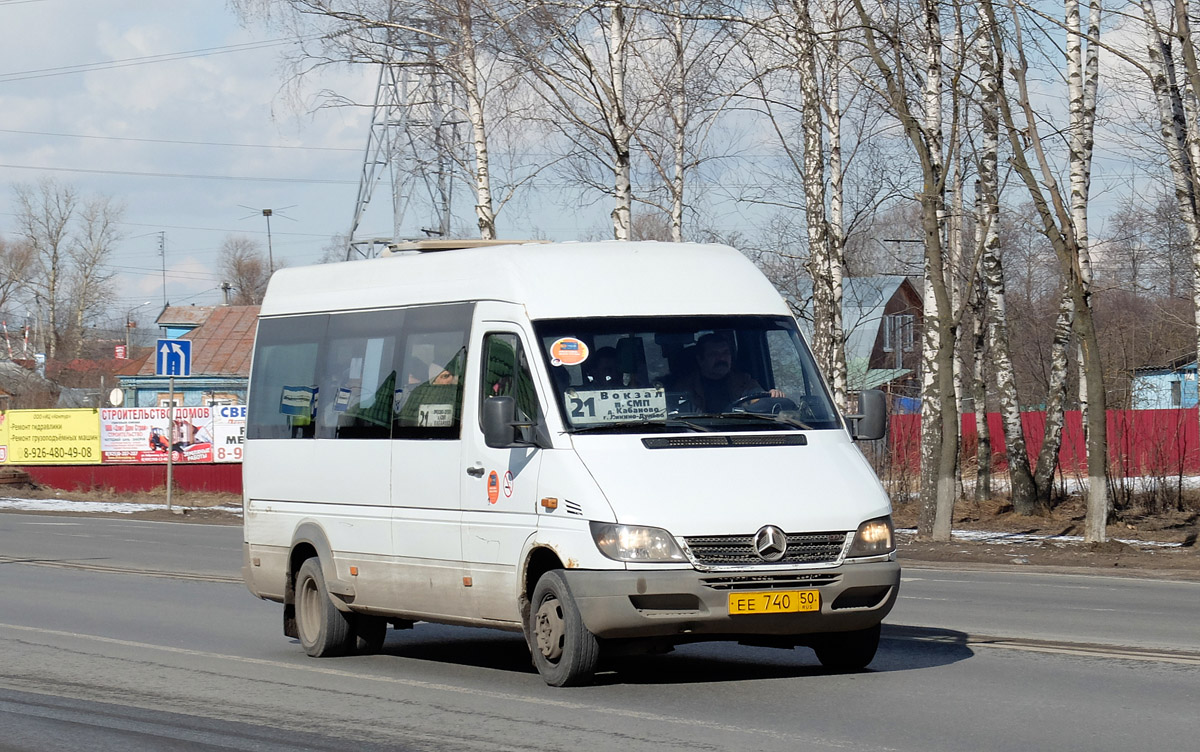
[(499, 413), (871, 422)]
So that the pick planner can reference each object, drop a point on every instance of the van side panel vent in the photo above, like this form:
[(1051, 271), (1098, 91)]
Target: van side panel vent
[(572, 507), (743, 440)]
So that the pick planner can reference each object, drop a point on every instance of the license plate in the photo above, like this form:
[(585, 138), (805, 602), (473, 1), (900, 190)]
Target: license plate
[(774, 602)]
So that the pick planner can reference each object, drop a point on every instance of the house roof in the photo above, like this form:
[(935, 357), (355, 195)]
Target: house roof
[(859, 377), (1185, 362), (222, 345), (863, 303), (184, 315)]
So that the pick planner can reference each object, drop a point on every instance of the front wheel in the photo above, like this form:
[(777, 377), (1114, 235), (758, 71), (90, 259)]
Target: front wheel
[(848, 651), (324, 631), (564, 651)]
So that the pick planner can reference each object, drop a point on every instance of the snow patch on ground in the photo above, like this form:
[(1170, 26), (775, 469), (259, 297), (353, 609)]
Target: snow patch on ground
[(983, 536), (107, 507)]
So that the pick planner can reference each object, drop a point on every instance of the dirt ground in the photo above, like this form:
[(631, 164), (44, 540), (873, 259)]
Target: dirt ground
[(1135, 546), (1052, 542)]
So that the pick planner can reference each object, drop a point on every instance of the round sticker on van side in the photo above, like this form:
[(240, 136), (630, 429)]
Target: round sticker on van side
[(493, 488), (568, 351)]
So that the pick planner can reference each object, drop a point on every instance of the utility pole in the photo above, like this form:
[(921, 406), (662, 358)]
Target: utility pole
[(162, 251), (270, 254)]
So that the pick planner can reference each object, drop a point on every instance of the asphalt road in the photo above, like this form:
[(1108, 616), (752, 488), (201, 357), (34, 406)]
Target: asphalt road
[(100, 655)]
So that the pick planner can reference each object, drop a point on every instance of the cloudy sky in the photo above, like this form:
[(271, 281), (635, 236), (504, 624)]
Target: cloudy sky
[(176, 110)]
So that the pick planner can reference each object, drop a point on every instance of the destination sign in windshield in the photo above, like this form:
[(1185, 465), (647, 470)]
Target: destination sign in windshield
[(595, 407)]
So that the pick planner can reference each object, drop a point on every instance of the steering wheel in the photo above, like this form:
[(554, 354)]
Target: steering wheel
[(773, 405)]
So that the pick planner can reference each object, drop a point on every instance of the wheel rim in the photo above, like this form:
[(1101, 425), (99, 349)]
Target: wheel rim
[(307, 605), (549, 629)]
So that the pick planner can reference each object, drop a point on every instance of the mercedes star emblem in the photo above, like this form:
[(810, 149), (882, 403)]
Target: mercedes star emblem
[(770, 543)]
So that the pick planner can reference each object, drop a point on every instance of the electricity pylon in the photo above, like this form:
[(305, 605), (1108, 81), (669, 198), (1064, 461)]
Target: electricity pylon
[(409, 138)]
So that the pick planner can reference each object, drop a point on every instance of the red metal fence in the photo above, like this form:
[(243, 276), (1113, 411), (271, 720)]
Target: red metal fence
[(1140, 442), (221, 477)]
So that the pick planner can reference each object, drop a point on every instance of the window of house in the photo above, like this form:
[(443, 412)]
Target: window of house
[(898, 332)]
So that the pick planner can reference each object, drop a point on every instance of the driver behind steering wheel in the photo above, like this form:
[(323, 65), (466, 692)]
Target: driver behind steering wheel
[(716, 384)]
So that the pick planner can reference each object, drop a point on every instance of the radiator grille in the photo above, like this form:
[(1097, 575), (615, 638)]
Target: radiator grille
[(774, 582), (738, 550)]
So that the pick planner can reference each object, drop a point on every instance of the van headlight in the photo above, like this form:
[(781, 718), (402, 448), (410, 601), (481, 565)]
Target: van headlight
[(873, 538), (633, 543)]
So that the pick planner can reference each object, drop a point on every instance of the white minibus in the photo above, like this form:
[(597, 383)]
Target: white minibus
[(609, 447)]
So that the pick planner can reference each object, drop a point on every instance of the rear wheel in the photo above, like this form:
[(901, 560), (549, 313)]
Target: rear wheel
[(564, 651), (848, 651), (324, 631)]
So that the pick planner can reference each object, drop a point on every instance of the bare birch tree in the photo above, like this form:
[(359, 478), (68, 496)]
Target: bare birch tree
[(243, 264), (576, 53), (1059, 227), (90, 277), (16, 260), (882, 37), (682, 61), (45, 214)]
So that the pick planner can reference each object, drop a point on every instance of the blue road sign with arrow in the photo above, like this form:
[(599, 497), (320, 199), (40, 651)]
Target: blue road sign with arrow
[(174, 357)]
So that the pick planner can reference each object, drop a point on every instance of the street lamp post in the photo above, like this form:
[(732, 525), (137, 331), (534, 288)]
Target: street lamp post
[(270, 254), (129, 324), (267, 214)]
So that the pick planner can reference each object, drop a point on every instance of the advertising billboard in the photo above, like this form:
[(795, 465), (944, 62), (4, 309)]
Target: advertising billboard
[(50, 437)]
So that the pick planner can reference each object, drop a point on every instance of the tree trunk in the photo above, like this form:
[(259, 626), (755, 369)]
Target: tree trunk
[(826, 274), (679, 120), (939, 433), (621, 132), (1056, 397), (485, 214), (1058, 228), (983, 432)]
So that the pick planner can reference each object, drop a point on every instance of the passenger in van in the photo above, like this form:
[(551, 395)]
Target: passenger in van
[(602, 369), (716, 384), (442, 390), (444, 376)]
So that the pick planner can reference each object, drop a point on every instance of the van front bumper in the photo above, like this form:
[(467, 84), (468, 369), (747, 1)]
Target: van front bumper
[(679, 603)]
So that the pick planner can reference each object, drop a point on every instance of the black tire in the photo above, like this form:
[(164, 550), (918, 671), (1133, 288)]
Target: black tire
[(565, 653), (848, 651), (324, 631), (369, 632)]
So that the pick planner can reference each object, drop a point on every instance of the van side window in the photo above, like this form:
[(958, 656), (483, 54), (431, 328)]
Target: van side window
[(283, 393), (358, 384), (430, 362), (506, 374)]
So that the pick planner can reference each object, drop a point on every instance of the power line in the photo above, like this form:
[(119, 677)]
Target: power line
[(218, 229), (185, 143), (181, 175), (144, 60)]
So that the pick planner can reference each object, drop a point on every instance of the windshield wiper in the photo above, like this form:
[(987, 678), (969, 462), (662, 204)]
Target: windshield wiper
[(661, 423), (759, 416)]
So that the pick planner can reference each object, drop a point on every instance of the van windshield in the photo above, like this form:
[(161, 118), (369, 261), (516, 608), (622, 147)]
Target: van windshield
[(684, 373)]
